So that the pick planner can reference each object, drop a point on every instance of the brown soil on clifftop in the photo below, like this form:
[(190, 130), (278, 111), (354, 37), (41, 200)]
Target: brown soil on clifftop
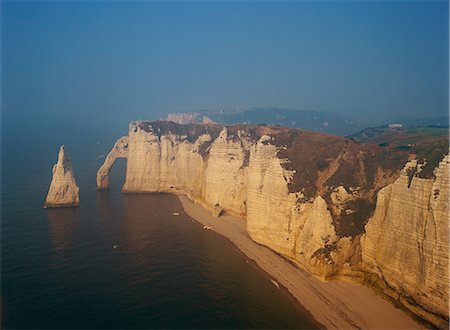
[(191, 131), (322, 162)]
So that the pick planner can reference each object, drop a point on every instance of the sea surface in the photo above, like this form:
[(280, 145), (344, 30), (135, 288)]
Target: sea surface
[(59, 268)]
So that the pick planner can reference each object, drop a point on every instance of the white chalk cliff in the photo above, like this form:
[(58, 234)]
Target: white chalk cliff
[(63, 191), (403, 248), (406, 243)]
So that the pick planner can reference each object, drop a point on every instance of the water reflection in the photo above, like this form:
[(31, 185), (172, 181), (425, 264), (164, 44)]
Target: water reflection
[(62, 223), (139, 229), (104, 207)]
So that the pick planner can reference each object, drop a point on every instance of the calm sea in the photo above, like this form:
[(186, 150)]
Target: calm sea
[(59, 268)]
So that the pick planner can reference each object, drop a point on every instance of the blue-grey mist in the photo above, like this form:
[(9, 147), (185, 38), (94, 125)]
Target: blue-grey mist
[(108, 61)]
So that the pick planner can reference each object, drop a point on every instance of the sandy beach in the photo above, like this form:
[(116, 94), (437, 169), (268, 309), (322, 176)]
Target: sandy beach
[(334, 305)]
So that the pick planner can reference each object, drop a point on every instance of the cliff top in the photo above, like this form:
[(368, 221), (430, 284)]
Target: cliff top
[(321, 162), (191, 131), (283, 136), (311, 153)]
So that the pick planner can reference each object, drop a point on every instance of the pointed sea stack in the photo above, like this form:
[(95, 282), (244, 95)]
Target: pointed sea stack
[(63, 191)]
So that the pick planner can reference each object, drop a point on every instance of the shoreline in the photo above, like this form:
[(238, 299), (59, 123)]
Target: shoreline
[(333, 305)]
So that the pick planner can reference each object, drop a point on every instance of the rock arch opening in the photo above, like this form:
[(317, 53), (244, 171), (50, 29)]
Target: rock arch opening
[(119, 150)]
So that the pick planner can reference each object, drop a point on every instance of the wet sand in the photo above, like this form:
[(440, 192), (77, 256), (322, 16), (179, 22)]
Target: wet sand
[(335, 304)]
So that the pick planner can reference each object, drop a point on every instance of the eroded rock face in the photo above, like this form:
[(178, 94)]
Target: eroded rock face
[(63, 191), (163, 163), (120, 150), (406, 241), (225, 169), (309, 197)]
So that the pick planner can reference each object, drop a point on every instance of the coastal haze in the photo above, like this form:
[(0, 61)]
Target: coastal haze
[(233, 165), (114, 62), (60, 268)]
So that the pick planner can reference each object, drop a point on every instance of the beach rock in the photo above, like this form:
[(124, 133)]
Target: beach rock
[(310, 197), (63, 191)]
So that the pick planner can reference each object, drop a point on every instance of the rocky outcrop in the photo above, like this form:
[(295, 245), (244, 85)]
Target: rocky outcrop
[(184, 118), (63, 191), (406, 243), (120, 150), (310, 197)]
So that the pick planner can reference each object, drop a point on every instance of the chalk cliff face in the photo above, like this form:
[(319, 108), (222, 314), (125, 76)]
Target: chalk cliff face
[(63, 191), (333, 206), (406, 241)]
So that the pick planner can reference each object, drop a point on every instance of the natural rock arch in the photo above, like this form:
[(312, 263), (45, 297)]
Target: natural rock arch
[(120, 150)]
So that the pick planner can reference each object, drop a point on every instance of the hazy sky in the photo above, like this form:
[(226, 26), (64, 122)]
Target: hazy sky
[(118, 61)]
